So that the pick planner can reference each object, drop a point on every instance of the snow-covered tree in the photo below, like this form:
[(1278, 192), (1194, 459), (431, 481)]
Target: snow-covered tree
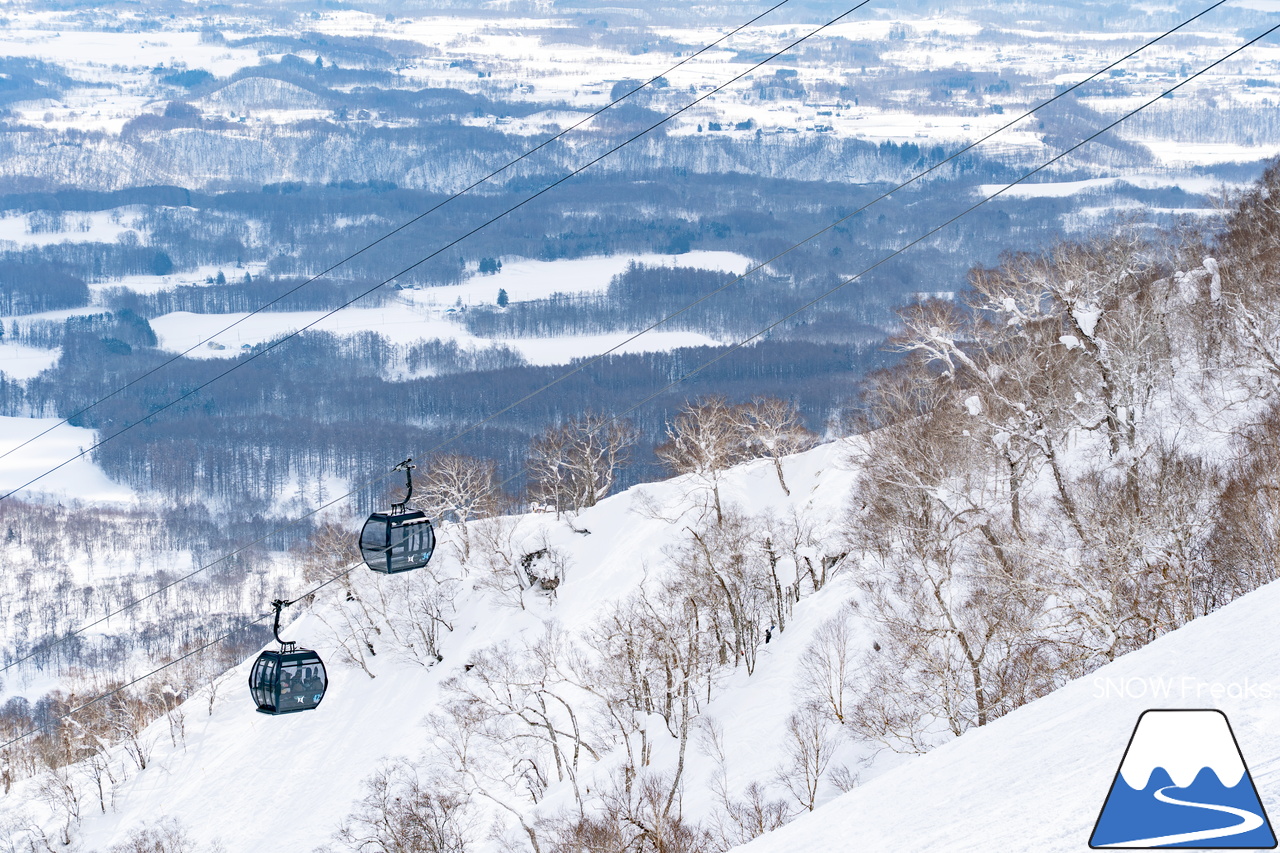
[(772, 428), (704, 440), (574, 465), (460, 489)]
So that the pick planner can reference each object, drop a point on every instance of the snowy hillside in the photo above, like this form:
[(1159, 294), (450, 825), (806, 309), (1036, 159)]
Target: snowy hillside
[(1049, 498), (1033, 780), (253, 781), (1036, 779)]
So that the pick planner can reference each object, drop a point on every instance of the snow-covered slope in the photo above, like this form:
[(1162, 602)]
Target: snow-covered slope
[(256, 782), (1036, 779), (1033, 780)]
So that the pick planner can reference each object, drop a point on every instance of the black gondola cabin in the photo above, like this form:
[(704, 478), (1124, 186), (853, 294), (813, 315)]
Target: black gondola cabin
[(392, 542), (288, 680)]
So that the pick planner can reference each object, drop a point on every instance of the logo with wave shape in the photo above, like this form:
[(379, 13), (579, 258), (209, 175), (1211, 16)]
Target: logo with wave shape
[(1183, 783)]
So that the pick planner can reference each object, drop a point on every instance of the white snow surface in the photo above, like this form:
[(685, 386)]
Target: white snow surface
[(526, 279), (1063, 189), (19, 361), (399, 323), (256, 782), (1036, 779), (425, 314), (102, 226), (80, 479)]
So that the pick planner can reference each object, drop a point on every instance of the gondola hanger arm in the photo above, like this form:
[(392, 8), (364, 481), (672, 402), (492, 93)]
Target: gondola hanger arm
[(278, 605), (407, 467)]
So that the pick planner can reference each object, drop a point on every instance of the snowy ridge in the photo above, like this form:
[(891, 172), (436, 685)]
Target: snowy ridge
[(1037, 778)]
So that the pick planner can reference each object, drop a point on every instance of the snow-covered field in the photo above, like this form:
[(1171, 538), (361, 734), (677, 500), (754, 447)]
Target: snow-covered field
[(103, 226), (19, 361), (196, 277), (526, 279), (399, 323), (424, 314), (527, 60), (80, 480), (1209, 153), (1063, 189)]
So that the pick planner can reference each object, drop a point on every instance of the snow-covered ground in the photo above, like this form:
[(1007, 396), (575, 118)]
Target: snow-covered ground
[(523, 58), (416, 315), (254, 781), (1209, 153), (19, 361), (425, 314), (81, 479), (103, 226), (1036, 779), (196, 277), (1062, 189), (399, 323), (1033, 780), (526, 279)]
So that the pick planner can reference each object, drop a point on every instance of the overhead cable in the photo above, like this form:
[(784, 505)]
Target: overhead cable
[(263, 350), (587, 363)]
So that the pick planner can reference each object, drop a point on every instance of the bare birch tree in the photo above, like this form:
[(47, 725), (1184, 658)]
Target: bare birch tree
[(772, 428), (705, 440), (573, 466), (460, 489)]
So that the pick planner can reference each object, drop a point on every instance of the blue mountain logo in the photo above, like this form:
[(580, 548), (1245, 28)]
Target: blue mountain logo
[(1183, 783)]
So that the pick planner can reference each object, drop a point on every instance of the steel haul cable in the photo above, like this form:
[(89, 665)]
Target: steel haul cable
[(737, 346), (272, 346), (587, 363)]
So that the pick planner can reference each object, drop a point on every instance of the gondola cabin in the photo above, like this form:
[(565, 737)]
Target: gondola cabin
[(287, 680), (397, 541)]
